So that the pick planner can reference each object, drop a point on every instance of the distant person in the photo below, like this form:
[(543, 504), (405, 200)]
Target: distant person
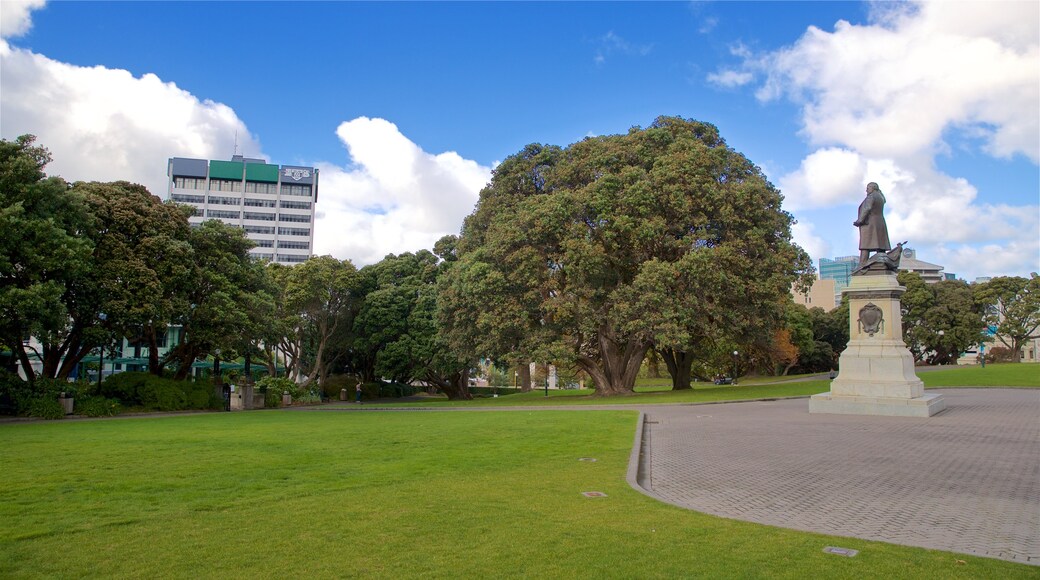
[(873, 232), (357, 391)]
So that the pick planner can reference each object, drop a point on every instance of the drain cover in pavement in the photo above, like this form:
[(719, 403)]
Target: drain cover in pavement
[(593, 494), (847, 552)]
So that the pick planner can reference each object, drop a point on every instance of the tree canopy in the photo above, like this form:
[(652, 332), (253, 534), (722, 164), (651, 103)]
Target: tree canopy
[(591, 254)]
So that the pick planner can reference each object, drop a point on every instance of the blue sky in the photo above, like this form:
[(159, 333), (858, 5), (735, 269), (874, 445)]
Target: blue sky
[(406, 107)]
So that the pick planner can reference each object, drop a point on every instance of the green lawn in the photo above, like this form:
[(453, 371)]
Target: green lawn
[(401, 495), (653, 391)]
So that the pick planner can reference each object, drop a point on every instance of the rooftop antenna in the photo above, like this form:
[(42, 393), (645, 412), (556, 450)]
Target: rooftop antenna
[(236, 142)]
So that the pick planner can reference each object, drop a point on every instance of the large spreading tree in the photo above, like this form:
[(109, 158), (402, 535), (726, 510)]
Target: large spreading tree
[(1012, 306), (592, 254)]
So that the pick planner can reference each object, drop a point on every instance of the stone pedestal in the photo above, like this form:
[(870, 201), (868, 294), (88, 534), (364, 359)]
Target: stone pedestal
[(877, 371)]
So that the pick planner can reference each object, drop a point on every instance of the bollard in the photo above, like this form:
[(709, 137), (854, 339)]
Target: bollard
[(286, 399)]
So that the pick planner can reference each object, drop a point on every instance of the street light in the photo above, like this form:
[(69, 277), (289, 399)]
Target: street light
[(735, 355), (216, 367)]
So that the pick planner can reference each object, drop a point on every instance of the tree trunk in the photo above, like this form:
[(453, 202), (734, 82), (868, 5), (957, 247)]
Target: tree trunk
[(679, 363), (153, 352), (616, 371), (524, 370), (456, 387), (653, 364)]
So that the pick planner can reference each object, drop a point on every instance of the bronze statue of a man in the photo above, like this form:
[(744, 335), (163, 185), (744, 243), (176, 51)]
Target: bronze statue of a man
[(873, 233)]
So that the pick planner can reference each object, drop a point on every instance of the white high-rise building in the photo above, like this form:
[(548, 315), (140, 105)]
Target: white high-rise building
[(273, 204)]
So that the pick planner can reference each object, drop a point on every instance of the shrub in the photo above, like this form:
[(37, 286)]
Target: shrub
[(158, 394), (272, 400), (1000, 354), (124, 386), (96, 406), (278, 385), (335, 383), (45, 408)]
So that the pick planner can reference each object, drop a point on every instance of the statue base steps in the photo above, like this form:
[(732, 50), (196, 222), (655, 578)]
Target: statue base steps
[(877, 371)]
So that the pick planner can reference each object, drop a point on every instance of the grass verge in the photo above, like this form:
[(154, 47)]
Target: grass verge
[(384, 495)]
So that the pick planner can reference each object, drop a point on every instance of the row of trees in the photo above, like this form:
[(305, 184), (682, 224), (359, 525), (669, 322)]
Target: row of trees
[(663, 241)]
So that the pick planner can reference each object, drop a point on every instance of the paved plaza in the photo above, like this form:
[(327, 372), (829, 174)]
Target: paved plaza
[(966, 480)]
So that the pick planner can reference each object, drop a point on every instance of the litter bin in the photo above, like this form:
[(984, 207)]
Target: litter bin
[(343, 394)]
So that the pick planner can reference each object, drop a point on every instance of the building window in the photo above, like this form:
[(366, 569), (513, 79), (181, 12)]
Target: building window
[(294, 231), (291, 258), (220, 200), (288, 217), (265, 243), (260, 187), (295, 189), (183, 198), (253, 202), (262, 256), (294, 204), (224, 185), (228, 215), (294, 245), (254, 215), (189, 182), (258, 229)]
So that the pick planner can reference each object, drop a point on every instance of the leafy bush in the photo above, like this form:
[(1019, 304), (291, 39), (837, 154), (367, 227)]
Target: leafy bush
[(335, 383), (38, 398), (96, 406), (123, 386), (1000, 354), (45, 408), (489, 391), (272, 400), (159, 393), (278, 385)]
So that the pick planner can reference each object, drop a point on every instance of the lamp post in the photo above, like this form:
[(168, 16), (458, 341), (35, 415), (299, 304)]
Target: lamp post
[(216, 367), (101, 358), (982, 353), (735, 355)]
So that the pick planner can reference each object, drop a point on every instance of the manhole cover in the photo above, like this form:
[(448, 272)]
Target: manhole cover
[(593, 494), (847, 552), (586, 459)]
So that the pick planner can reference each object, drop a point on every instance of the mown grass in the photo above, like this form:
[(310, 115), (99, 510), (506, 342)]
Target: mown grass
[(381, 495), (658, 391)]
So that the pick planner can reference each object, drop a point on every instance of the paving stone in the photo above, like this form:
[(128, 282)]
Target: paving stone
[(966, 480)]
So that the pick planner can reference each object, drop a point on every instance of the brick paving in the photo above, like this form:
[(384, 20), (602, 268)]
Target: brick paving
[(966, 480)]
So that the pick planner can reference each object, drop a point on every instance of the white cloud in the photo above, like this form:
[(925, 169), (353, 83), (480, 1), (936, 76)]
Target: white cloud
[(16, 16), (394, 197), (828, 177), (731, 78), (879, 101), (104, 124), (805, 236)]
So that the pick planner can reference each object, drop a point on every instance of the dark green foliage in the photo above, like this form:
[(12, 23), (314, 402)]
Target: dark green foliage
[(489, 391), (335, 383), (95, 406), (32, 398), (161, 396), (396, 390), (157, 393), (277, 386), (44, 408)]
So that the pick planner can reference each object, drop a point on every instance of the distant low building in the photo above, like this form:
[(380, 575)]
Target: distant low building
[(822, 294), (930, 273)]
